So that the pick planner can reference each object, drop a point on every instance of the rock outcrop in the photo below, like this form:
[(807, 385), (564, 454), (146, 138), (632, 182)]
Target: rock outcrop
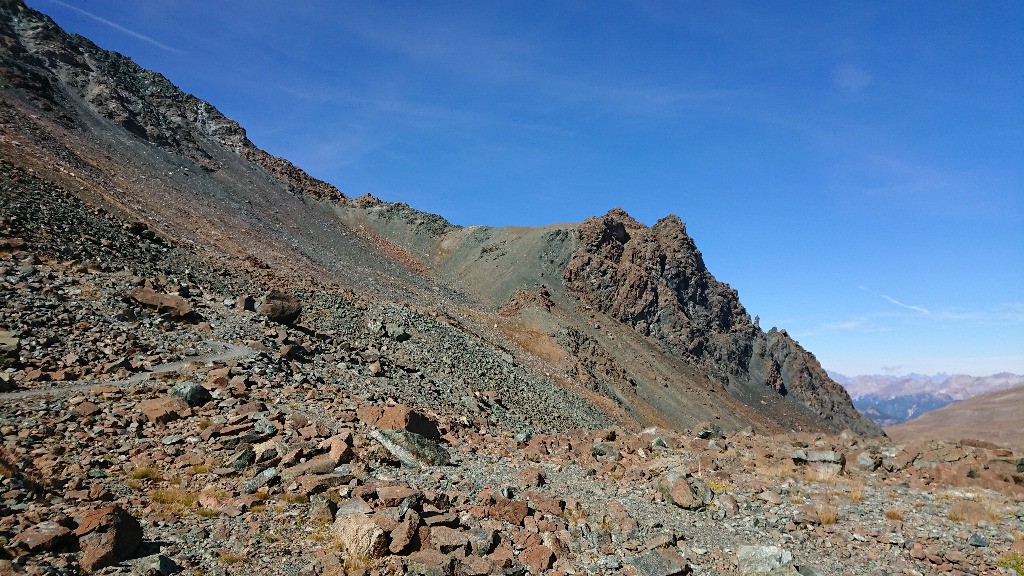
[(654, 279)]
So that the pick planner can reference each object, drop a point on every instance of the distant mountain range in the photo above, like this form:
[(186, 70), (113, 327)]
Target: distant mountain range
[(890, 400), (990, 417)]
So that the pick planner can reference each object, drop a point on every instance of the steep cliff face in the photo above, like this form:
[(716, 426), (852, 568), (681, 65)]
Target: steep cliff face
[(654, 279), (34, 49)]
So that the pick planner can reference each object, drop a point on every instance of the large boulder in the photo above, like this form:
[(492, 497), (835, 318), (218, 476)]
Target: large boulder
[(358, 537), (411, 449), (825, 462), (172, 304), (771, 560), (192, 393), (399, 417), (280, 307), (107, 536), (684, 490)]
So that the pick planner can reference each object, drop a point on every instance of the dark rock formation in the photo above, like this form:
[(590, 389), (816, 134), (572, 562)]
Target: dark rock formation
[(654, 280), (280, 307)]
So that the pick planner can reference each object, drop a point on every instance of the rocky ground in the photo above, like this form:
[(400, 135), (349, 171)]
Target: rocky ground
[(162, 416)]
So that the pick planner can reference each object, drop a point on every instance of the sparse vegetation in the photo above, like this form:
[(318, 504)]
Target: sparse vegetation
[(894, 515), (145, 473), (1013, 561), (358, 563), (175, 501), (295, 498), (855, 490), (718, 486), (229, 558), (971, 511), (826, 513), (207, 513)]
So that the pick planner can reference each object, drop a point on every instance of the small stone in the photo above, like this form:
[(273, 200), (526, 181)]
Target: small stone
[(260, 480), (761, 559)]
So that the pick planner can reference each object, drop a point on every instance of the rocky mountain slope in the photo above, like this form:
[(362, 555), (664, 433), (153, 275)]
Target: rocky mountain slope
[(125, 137), (212, 362), (993, 417), (889, 400)]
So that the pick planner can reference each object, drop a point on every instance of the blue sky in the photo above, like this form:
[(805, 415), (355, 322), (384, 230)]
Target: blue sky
[(854, 169)]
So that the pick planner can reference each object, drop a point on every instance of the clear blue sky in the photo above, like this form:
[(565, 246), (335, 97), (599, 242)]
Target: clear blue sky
[(854, 169)]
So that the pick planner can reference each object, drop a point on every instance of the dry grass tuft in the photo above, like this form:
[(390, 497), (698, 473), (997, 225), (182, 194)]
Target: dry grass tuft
[(229, 558), (972, 511), (145, 473), (1013, 561), (173, 496), (856, 490), (175, 501), (826, 513), (777, 470), (894, 515)]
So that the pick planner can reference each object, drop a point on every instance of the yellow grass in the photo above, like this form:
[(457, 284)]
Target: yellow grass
[(826, 513), (972, 511), (145, 473)]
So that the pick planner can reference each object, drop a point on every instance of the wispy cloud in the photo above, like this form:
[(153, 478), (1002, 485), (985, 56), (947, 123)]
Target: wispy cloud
[(892, 300), (999, 316), (116, 26), (850, 78)]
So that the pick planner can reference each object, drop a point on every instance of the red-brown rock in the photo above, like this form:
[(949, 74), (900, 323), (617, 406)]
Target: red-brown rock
[(43, 536), (171, 304), (537, 558), (512, 511), (399, 417), (163, 410), (107, 536)]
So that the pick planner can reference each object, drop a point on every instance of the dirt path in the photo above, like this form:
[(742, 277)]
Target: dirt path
[(226, 352)]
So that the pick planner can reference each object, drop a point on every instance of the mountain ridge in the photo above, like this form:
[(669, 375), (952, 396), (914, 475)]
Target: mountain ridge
[(175, 161)]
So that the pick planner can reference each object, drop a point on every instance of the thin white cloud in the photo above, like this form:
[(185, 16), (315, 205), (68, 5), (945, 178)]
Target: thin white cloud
[(892, 300), (116, 26), (851, 79), (920, 309)]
